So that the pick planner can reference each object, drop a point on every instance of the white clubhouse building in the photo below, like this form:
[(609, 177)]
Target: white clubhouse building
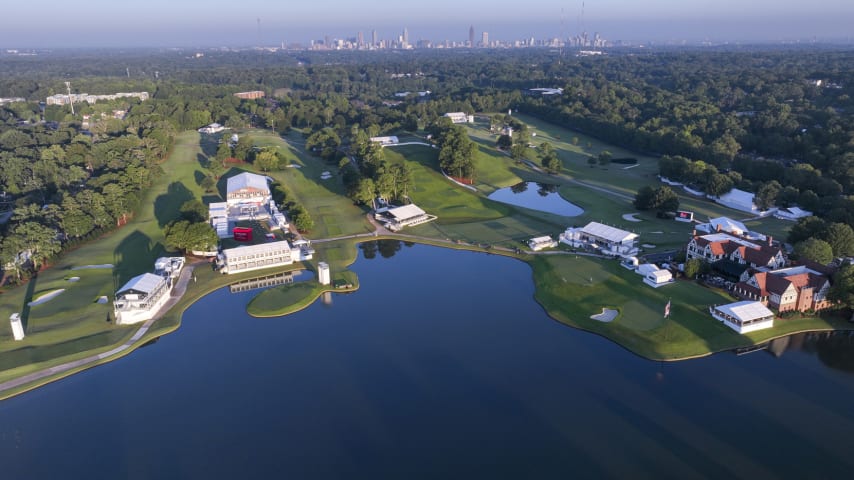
[(744, 317), (539, 243), (255, 257), (396, 218), (608, 240), (264, 255), (141, 298)]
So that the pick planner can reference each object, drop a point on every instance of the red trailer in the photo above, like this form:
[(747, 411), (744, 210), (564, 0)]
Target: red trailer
[(242, 234)]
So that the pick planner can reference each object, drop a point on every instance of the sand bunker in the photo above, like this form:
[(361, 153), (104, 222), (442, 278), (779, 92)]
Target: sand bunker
[(84, 267), (73, 279), (46, 297), (606, 316), (648, 245), (630, 217), (102, 300)]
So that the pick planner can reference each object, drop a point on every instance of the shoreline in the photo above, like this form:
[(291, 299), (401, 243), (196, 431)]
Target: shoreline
[(307, 303), (183, 303)]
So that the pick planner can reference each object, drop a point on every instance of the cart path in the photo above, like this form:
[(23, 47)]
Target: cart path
[(176, 294)]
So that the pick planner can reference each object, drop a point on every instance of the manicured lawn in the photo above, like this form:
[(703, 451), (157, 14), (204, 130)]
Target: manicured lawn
[(333, 213), (72, 324), (463, 214), (284, 299), (572, 289), (437, 195)]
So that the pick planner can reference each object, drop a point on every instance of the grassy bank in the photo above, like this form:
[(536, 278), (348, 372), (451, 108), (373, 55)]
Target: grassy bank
[(74, 322), (326, 201), (572, 289), (73, 325)]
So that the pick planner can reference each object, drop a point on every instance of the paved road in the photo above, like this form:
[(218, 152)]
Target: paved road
[(176, 294)]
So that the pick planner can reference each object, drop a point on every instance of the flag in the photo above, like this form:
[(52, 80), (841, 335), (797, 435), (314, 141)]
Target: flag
[(667, 309)]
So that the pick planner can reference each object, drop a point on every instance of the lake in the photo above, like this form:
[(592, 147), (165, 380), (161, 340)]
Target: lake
[(441, 365), (536, 196)]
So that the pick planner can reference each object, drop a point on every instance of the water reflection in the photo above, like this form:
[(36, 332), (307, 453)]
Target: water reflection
[(545, 199), (545, 189), (386, 248), (833, 349), (264, 281)]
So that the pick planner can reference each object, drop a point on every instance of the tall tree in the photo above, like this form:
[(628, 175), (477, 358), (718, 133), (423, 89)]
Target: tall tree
[(842, 290), (841, 239), (815, 250)]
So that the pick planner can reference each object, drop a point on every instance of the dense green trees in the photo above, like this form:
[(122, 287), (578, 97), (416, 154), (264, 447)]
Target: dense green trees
[(549, 159), (504, 141), (842, 289), (456, 152), (191, 236), (838, 236), (267, 159), (661, 199), (301, 218), (723, 119), (815, 250), (324, 142)]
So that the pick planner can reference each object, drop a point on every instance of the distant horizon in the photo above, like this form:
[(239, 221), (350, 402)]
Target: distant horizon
[(214, 23)]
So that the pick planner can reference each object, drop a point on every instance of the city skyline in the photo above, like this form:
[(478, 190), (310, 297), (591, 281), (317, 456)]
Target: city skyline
[(215, 23)]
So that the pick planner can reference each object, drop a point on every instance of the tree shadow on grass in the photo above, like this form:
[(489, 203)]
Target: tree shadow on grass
[(199, 176), (209, 145), (167, 207), (133, 256), (209, 199), (203, 160), (28, 297)]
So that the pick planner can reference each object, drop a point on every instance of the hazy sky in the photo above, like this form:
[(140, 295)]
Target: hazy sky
[(50, 23)]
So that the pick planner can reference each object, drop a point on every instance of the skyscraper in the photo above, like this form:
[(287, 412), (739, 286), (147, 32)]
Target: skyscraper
[(471, 36), (360, 40), (484, 40), (405, 37), (374, 41)]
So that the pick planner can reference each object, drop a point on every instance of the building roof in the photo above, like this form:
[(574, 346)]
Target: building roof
[(608, 233), (545, 239), (739, 200), (145, 283), (547, 91), (724, 243), (758, 256), (778, 281), (247, 180), (389, 139), (661, 274), (647, 268), (793, 212), (256, 249), (406, 211), (727, 225), (746, 310)]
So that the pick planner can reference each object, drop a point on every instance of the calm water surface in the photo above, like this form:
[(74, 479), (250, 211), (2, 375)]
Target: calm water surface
[(441, 366), (536, 196)]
